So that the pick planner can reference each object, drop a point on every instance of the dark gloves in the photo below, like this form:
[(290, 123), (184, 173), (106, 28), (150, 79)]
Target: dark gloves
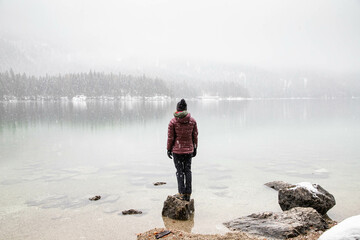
[(169, 153), (194, 153)]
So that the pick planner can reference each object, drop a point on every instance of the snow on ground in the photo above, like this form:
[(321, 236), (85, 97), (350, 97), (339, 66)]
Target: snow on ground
[(348, 229)]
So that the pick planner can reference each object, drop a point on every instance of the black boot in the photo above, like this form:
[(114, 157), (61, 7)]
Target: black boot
[(187, 197), (180, 196)]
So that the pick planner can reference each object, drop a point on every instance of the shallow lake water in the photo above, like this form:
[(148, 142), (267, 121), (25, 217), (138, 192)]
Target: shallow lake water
[(55, 155)]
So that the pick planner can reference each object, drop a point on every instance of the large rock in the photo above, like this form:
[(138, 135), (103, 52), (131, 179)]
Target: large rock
[(282, 225), (277, 185), (306, 195), (178, 209), (346, 230)]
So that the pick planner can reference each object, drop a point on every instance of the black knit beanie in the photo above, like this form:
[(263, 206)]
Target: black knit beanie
[(181, 106)]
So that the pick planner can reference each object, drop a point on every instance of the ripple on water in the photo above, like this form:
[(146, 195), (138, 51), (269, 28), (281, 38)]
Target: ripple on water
[(66, 202), (224, 194), (218, 187)]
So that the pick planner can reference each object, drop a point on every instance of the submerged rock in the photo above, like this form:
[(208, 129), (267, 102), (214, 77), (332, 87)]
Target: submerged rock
[(282, 225), (277, 185), (131, 211), (95, 198), (306, 195), (178, 209), (159, 183)]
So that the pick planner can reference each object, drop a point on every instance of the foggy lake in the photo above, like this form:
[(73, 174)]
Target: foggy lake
[(88, 88), (56, 155)]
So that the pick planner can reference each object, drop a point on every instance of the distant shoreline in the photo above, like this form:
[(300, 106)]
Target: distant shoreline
[(156, 98)]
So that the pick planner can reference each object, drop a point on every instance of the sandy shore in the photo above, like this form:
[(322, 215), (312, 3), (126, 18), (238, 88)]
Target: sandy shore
[(180, 235), (176, 234)]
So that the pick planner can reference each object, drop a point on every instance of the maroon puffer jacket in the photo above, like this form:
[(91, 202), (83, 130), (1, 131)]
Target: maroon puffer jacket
[(182, 135)]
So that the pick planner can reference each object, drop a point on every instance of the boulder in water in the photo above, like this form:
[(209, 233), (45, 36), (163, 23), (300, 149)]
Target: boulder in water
[(306, 195), (95, 198), (131, 211), (282, 225), (178, 209), (277, 185)]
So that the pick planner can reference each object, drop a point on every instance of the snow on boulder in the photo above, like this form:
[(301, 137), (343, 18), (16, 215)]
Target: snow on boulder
[(306, 194), (348, 229)]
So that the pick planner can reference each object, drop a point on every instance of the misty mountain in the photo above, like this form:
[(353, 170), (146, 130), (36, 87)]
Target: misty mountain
[(37, 58), (12, 57), (257, 82), (188, 78)]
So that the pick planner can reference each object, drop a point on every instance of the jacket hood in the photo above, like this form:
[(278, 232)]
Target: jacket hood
[(180, 114), (182, 117)]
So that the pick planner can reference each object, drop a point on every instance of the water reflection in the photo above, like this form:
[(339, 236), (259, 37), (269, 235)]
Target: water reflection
[(185, 226), (296, 169), (94, 114), (236, 113)]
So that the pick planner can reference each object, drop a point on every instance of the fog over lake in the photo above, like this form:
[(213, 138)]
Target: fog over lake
[(88, 88)]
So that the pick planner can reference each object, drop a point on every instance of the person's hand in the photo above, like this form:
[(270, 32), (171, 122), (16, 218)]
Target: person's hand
[(194, 153), (169, 153)]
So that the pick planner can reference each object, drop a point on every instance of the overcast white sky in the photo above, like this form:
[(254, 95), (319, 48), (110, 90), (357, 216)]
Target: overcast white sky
[(322, 34)]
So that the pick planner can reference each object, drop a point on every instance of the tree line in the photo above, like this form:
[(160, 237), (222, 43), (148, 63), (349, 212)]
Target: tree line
[(98, 84), (91, 84)]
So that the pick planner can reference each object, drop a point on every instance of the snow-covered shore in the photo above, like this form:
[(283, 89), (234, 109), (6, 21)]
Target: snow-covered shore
[(160, 98)]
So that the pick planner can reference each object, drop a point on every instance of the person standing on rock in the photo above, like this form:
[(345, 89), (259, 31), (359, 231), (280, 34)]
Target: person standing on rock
[(182, 143)]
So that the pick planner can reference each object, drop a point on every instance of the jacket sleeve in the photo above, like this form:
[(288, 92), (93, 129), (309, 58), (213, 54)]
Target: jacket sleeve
[(195, 135), (171, 136)]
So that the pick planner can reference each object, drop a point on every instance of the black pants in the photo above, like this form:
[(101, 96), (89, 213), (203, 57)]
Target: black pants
[(183, 172)]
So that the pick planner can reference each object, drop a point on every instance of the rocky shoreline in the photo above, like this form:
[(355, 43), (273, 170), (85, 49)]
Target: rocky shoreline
[(304, 216), (179, 235)]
